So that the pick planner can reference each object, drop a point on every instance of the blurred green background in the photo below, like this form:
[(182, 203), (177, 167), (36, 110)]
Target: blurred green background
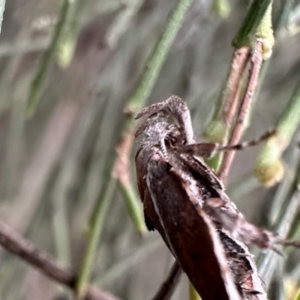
[(55, 159)]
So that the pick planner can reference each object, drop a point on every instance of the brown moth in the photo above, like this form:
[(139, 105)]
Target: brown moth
[(185, 201)]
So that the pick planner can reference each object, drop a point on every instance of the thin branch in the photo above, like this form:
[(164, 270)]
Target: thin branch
[(257, 24), (219, 127), (167, 288), (17, 245), (238, 66), (256, 63), (228, 100), (121, 172)]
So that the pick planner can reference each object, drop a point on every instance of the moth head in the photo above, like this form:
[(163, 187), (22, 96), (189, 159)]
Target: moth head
[(173, 110), (161, 130)]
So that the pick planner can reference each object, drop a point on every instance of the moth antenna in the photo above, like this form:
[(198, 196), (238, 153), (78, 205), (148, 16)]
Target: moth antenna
[(291, 243), (247, 144), (209, 149)]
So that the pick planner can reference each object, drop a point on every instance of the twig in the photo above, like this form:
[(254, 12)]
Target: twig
[(256, 63), (238, 66), (219, 127), (17, 245), (167, 288), (257, 24), (100, 211), (45, 62), (122, 174)]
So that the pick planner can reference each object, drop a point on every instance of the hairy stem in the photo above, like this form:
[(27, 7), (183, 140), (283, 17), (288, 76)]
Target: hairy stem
[(244, 111)]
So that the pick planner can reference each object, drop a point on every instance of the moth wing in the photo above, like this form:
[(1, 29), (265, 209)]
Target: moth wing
[(222, 209), (208, 178), (189, 234), (141, 173), (237, 255), (148, 221), (207, 175)]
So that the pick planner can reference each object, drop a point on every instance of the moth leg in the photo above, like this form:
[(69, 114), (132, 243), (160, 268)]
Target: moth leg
[(205, 150), (210, 149), (230, 218)]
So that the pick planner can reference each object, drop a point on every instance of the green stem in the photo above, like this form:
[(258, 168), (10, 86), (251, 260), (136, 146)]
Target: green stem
[(94, 233), (61, 235), (283, 226), (193, 293), (269, 167), (257, 24), (252, 23), (159, 55), (45, 62), (133, 206), (68, 37), (289, 120), (2, 8), (298, 295)]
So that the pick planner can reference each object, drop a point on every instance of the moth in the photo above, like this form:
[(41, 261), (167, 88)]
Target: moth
[(185, 201)]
